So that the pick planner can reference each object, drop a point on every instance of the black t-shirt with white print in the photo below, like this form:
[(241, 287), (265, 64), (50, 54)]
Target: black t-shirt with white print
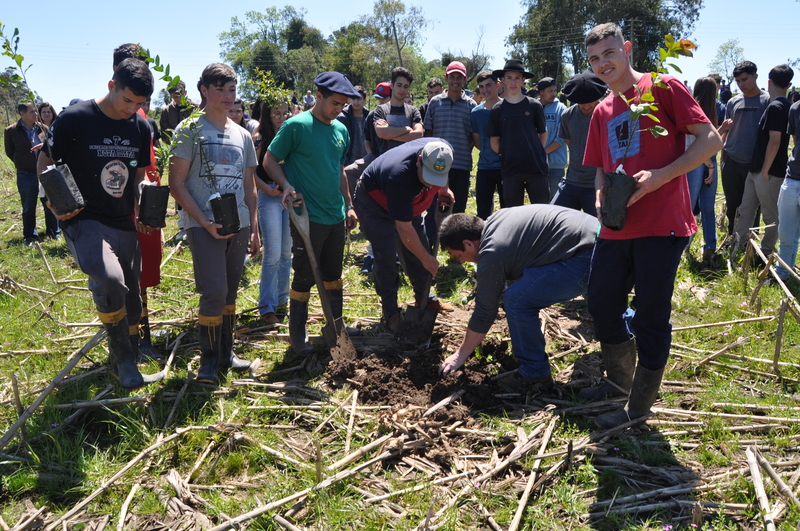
[(103, 155)]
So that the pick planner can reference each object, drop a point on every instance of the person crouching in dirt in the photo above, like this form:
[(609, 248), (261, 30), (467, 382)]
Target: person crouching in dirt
[(105, 144), (390, 198), (544, 251)]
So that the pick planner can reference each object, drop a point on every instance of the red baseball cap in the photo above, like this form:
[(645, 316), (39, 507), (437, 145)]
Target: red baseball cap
[(456, 66)]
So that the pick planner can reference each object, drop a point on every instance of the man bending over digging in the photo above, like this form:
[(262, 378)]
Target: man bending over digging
[(544, 251)]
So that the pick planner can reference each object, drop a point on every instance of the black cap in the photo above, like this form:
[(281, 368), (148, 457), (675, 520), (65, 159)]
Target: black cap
[(584, 88), (338, 83), (545, 82)]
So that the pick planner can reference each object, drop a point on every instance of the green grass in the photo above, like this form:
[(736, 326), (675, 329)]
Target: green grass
[(65, 463)]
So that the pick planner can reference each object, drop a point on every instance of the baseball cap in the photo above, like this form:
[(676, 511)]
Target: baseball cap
[(437, 157), (456, 66), (383, 90)]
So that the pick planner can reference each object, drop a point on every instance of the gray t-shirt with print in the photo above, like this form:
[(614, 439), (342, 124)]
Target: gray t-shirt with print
[(575, 128), (227, 154)]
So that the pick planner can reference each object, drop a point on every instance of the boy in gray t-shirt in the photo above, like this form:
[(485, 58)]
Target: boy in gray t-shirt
[(213, 155)]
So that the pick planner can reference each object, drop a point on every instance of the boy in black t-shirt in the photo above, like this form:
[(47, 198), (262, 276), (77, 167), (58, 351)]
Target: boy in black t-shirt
[(518, 132), (105, 144), (768, 165)]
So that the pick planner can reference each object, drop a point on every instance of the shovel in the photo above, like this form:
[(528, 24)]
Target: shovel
[(334, 332), (419, 321)]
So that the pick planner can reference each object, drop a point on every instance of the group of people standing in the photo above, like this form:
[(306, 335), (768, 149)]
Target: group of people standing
[(392, 167)]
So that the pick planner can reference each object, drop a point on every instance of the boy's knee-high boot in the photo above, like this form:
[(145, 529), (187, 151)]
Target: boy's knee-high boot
[(227, 358), (209, 335)]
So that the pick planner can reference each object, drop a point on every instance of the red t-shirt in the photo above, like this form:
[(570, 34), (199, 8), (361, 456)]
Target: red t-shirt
[(666, 211)]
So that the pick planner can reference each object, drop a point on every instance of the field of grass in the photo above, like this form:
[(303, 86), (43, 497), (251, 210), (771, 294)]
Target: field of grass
[(182, 455)]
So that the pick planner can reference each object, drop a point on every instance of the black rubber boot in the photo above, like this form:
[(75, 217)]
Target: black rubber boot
[(298, 317), (336, 298), (644, 392), (620, 362), (209, 338), (146, 350), (227, 358), (148, 378), (122, 356)]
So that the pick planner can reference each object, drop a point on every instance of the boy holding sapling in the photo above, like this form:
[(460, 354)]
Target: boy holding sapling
[(647, 249), (105, 144), (212, 156)]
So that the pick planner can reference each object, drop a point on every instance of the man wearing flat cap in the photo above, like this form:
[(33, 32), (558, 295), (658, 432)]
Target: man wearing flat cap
[(555, 147), (390, 198), (313, 146), (577, 190), (517, 131)]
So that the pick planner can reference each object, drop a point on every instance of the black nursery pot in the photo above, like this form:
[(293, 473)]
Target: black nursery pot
[(61, 189), (226, 213), (618, 189), (153, 206)]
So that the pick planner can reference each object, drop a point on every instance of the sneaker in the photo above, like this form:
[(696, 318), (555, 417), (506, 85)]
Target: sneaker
[(29, 242), (270, 318), (366, 269), (180, 236), (517, 382)]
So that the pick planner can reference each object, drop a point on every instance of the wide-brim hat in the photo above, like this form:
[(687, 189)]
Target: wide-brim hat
[(585, 87), (336, 82), (437, 158), (513, 65)]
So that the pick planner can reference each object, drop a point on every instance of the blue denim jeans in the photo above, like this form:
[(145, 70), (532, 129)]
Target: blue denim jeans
[(575, 197), (704, 195), (28, 186), (650, 264), (539, 288), (276, 240), (789, 227)]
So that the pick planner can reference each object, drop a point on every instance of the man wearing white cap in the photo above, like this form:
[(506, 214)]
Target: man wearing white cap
[(391, 196)]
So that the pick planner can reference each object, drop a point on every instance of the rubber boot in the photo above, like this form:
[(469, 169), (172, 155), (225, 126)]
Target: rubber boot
[(298, 317), (146, 350), (644, 392), (336, 298), (227, 358), (121, 354), (148, 378), (620, 362), (209, 336)]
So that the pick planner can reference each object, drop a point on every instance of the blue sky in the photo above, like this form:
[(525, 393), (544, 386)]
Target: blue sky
[(70, 48)]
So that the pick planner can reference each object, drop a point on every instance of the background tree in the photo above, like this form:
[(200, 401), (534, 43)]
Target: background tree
[(475, 60), (729, 54), (556, 51)]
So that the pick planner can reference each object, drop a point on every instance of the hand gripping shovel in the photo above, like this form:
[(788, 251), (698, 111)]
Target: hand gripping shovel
[(334, 332), (419, 321)]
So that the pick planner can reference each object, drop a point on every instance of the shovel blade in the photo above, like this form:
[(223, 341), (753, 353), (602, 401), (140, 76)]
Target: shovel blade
[(418, 324), (343, 349)]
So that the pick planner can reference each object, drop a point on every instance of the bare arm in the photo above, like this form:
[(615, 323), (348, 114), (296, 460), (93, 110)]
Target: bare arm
[(416, 132), (495, 143), (387, 132), (543, 138), (599, 192), (412, 242), (178, 173), (772, 150), (351, 219), (707, 142), (273, 168), (251, 201)]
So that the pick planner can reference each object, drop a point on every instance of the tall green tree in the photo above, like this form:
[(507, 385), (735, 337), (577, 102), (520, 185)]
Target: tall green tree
[(556, 49), (729, 54)]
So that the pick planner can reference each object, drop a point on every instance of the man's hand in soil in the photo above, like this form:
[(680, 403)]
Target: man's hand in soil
[(468, 345)]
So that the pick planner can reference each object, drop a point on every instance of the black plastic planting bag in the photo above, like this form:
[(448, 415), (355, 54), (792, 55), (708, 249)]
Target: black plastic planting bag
[(60, 188), (226, 213), (153, 205), (618, 189)]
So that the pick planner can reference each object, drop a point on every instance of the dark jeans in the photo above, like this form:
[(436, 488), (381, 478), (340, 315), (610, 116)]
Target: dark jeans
[(52, 228), (458, 181), (328, 244), (515, 186), (28, 187), (379, 228), (576, 197), (652, 262), (734, 176), (486, 182)]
